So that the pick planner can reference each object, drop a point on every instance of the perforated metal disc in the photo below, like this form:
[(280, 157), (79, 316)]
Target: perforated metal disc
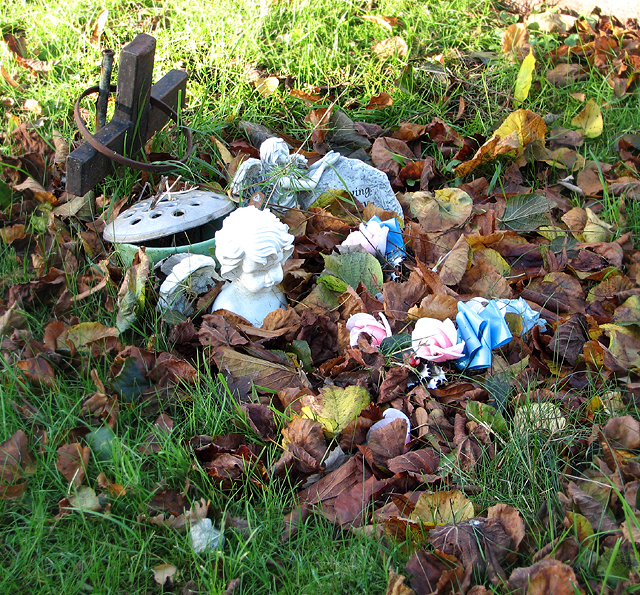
[(172, 214)]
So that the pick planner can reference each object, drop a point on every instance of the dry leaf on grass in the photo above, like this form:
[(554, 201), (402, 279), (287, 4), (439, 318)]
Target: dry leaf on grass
[(392, 46)]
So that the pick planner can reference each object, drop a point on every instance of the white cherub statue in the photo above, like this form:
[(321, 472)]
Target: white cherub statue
[(251, 248), (279, 175)]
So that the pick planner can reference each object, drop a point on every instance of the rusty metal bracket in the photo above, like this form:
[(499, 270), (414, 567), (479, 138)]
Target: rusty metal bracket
[(121, 159)]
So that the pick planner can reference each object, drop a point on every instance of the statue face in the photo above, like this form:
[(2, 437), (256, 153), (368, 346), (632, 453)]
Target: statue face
[(256, 277)]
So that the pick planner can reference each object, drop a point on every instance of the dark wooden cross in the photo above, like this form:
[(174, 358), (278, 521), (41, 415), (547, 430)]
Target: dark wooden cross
[(134, 121)]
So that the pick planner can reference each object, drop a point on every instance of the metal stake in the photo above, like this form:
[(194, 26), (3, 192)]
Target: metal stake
[(105, 82)]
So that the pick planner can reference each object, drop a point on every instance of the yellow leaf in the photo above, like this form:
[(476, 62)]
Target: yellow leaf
[(442, 508), (528, 125), (266, 86), (226, 157), (596, 230), (589, 120), (336, 407), (525, 76)]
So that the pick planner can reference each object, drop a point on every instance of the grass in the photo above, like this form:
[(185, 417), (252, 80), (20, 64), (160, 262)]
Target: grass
[(323, 43)]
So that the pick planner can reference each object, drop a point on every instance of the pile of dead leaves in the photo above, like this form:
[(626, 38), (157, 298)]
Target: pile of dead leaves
[(519, 238)]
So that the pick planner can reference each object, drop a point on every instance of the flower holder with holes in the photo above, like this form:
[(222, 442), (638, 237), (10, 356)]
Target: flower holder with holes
[(179, 222)]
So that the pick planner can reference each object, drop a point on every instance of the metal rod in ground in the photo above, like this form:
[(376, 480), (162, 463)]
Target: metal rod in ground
[(103, 93)]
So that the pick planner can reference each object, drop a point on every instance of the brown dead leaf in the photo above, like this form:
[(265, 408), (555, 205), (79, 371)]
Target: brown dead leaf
[(438, 306), (564, 75), (387, 23), (115, 490), (39, 371), (623, 431), (306, 96), (548, 577), (392, 46), (480, 544), (10, 80), (385, 443), (396, 586), (98, 27), (13, 233), (453, 267), (435, 573), (419, 464), (73, 460), (592, 509), (515, 37), (15, 464), (569, 339), (387, 152), (379, 101), (512, 523)]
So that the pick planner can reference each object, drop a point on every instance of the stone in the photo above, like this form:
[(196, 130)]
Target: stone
[(364, 182), (251, 248)]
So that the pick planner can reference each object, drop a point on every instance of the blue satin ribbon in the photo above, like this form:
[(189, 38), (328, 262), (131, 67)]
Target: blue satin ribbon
[(481, 332), (394, 251)]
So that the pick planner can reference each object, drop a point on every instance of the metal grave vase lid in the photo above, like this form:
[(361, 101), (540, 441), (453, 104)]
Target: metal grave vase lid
[(173, 213)]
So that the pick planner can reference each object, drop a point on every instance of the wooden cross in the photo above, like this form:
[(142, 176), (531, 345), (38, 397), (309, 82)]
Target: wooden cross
[(134, 121)]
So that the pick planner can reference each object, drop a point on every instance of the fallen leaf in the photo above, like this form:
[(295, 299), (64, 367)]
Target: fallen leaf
[(623, 431), (548, 577), (589, 120), (379, 101), (525, 78), (335, 407), (266, 86), (396, 586), (514, 38), (442, 508), (441, 211), (453, 267), (131, 295), (15, 464), (480, 544), (526, 212), (387, 23), (435, 573), (98, 27), (392, 46), (163, 574), (10, 80), (72, 462)]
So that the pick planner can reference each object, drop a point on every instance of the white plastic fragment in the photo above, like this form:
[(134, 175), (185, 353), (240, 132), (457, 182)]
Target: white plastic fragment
[(205, 537)]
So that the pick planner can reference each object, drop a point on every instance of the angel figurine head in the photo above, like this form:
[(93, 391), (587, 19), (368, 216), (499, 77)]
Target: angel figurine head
[(251, 248)]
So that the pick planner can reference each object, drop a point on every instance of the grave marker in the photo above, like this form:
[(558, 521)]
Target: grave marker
[(134, 121)]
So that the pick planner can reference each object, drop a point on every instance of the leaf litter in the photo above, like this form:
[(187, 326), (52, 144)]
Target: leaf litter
[(516, 239)]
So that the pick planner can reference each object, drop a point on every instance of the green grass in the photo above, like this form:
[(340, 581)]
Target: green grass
[(322, 43)]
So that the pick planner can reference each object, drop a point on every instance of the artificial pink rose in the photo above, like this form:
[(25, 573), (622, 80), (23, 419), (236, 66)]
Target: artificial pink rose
[(365, 323), (435, 340), (372, 237)]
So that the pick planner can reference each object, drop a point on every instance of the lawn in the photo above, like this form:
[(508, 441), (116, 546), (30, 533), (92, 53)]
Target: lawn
[(112, 436)]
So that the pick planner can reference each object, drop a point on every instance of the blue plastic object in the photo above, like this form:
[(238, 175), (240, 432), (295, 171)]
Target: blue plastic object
[(482, 332)]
